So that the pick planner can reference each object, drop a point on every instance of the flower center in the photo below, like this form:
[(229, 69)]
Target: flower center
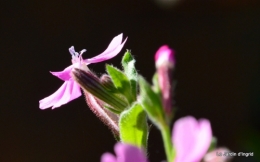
[(76, 57)]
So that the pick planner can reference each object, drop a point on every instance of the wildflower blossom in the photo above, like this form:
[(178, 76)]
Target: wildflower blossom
[(191, 139), (70, 90), (125, 153)]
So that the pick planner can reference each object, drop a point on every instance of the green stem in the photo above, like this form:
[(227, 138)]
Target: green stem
[(166, 135)]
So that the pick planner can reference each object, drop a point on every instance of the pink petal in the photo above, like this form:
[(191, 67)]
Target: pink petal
[(203, 140), (52, 99), (116, 41), (65, 74), (165, 52), (191, 139), (69, 91), (107, 157), (164, 56), (129, 153), (112, 50)]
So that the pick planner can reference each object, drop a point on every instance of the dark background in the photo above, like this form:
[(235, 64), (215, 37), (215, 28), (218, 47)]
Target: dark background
[(217, 71)]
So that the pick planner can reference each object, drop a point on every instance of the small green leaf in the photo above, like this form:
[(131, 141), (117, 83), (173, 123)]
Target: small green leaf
[(213, 144), (133, 126), (156, 86), (121, 82), (151, 102), (128, 63)]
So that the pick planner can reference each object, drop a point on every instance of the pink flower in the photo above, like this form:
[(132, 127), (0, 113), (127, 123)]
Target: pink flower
[(191, 139), (70, 90), (125, 153)]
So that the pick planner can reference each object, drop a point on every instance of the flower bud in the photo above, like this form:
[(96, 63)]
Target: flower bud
[(164, 61)]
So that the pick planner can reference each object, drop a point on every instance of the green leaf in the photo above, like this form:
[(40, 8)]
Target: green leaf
[(213, 144), (128, 63), (121, 82), (156, 87), (151, 102), (133, 126)]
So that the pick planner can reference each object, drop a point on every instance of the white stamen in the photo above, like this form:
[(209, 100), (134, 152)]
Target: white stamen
[(76, 57)]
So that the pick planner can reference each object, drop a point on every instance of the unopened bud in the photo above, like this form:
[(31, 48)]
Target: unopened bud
[(164, 60), (89, 82)]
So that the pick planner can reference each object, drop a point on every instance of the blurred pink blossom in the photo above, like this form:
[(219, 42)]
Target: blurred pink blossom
[(191, 139), (125, 153)]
